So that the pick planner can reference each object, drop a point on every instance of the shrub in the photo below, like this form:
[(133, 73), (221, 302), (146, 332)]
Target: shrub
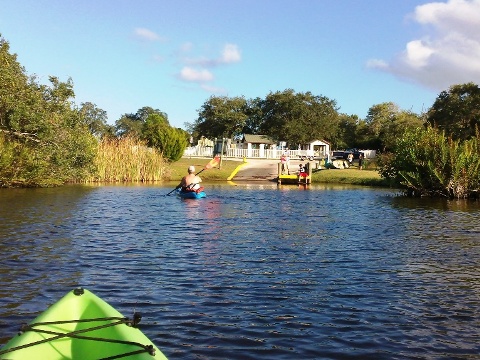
[(426, 162)]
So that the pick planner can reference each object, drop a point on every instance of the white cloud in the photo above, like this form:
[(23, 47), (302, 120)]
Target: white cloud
[(230, 54), (194, 75), (377, 63), (449, 51), (214, 89), (199, 61), (146, 34), (197, 68), (458, 15), (418, 54)]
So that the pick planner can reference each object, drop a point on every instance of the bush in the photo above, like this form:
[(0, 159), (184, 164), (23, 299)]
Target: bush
[(169, 141), (426, 162)]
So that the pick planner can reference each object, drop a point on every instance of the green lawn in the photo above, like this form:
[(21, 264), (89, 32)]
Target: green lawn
[(352, 176), (178, 169)]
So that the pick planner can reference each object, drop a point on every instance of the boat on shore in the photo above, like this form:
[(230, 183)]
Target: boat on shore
[(81, 326)]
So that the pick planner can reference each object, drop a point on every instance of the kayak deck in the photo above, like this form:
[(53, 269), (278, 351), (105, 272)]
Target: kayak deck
[(81, 326)]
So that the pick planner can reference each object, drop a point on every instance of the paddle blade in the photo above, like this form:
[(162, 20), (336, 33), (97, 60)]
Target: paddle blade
[(214, 162)]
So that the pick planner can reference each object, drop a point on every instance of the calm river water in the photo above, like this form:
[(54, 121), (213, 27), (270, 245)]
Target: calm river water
[(253, 271)]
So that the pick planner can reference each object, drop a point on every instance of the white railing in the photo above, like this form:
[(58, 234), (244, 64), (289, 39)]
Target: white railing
[(196, 151), (199, 151)]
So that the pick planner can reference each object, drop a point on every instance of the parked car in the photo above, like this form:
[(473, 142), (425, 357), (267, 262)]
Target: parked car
[(338, 155), (356, 153)]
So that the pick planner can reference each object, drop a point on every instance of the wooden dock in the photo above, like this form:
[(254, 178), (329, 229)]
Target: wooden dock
[(294, 178)]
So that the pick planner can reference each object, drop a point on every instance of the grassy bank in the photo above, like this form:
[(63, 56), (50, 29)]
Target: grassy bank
[(352, 176), (367, 177), (177, 170)]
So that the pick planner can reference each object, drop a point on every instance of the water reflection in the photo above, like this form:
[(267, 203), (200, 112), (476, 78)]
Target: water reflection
[(253, 270)]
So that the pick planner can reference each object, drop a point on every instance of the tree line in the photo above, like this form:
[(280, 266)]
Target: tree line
[(46, 139), (300, 118), (435, 153)]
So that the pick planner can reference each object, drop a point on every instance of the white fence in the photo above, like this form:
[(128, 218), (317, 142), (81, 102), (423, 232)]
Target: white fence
[(207, 151), (196, 151)]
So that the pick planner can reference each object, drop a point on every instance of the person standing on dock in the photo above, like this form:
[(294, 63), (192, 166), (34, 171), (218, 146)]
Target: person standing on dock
[(283, 161), (287, 160)]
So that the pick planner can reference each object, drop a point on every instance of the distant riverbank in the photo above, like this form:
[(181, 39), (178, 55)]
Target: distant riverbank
[(352, 176)]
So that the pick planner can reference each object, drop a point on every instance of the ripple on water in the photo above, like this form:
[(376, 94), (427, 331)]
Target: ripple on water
[(254, 272)]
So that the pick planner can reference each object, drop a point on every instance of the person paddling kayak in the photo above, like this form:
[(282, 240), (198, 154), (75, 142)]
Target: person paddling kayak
[(190, 182)]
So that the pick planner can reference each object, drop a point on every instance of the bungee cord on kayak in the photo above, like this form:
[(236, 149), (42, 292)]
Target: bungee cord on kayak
[(76, 334), (97, 331)]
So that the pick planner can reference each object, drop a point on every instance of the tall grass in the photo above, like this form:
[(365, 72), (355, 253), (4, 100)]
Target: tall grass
[(427, 162), (127, 160)]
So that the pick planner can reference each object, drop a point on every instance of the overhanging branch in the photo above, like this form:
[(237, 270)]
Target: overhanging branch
[(24, 135)]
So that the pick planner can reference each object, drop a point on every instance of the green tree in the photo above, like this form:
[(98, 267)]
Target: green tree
[(364, 139), (457, 111), (405, 120), (379, 119), (132, 124), (221, 116), (386, 123), (346, 133), (171, 142), (299, 118), (43, 141), (255, 118), (128, 126), (96, 120)]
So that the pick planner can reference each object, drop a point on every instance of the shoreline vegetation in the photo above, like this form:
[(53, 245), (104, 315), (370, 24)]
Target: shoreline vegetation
[(128, 160), (47, 140)]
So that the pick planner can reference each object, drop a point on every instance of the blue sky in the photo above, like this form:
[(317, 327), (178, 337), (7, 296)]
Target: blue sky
[(173, 55)]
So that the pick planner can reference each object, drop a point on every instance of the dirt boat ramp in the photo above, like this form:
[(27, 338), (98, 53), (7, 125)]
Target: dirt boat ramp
[(253, 169), (260, 169)]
